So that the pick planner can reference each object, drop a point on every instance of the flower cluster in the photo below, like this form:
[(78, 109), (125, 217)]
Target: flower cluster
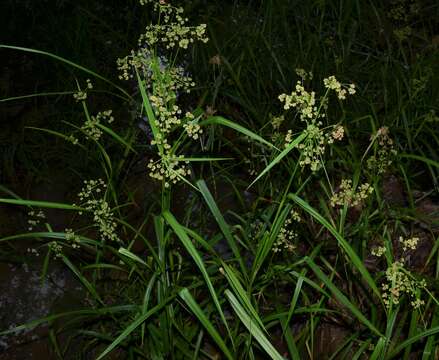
[(91, 126), (286, 237), (341, 90), (312, 111), (56, 248), (35, 217), (431, 116), (337, 134), (383, 157), (71, 237), (173, 30), (303, 101), (276, 121), (192, 127), (347, 195), (313, 147), (378, 251), (402, 13), (409, 244), (169, 169), (81, 95), (164, 82), (400, 281), (420, 83), (92, 198)]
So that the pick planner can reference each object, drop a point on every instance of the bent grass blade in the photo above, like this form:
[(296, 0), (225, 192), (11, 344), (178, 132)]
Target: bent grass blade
[(195, 308)]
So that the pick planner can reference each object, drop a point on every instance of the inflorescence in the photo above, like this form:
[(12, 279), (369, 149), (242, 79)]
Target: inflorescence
[(312, 111), (164, 81)]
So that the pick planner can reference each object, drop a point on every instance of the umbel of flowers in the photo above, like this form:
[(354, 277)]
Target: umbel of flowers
[(154, 63), (311, 111)]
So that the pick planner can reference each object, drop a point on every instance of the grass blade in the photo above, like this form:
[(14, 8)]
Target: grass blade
[(68, 62), (225, 229), (150, 113), (190, 248), (412, 340), (42, 204), (84, 281), (116, 137), (279, 157), (252, 327), (130, 328), (219, 120), (341, 297), (241, 294), (195, 308)]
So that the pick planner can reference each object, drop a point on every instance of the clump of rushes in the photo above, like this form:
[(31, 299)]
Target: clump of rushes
[(164, 81), (312, 111)]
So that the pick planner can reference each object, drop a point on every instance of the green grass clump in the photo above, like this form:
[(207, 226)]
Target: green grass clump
[(260, 185)]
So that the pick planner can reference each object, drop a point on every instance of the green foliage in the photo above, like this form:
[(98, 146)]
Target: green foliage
[(273, 205)]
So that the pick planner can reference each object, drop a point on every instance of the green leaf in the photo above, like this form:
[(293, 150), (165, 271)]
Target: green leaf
[(219, 120), (253, 327), (241, 294), (130, 328), (68, 62), (132, 256), (225, 229), (421, 158), (116, 137), (412, 340), (150, 113), (42, 204), (84, 281), (190, 248), (279, 157), (341, 297), (195, 308)]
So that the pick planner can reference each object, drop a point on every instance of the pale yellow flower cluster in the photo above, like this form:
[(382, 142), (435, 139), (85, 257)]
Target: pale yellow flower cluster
[(172, 31), (91, 126), (276, 121), (287, 236), (71, 237), (81, 95), (302, 100), (164, 81), (56, 248), (169, 169), (193, 129), (92, 198), (305, 75), (341, 90), (409, 244), (378, 251), (399, 281), (312, 110), (347, 195)]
